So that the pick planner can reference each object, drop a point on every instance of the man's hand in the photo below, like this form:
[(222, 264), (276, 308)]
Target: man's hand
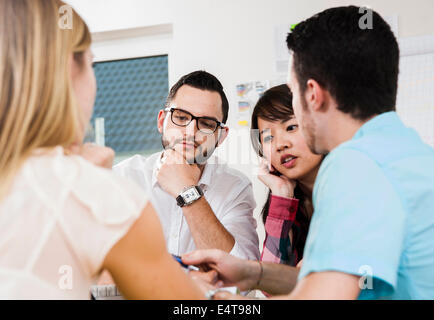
[(99, 156), (105, 278), (205, 280), (224, 295), (175, 173), (231, 270)]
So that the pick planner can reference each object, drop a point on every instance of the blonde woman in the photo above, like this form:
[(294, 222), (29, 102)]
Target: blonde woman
[(63, 219)]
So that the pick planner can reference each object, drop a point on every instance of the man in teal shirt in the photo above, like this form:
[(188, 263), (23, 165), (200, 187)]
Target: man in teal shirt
[(372, 231), (373, 225), (374, 212)]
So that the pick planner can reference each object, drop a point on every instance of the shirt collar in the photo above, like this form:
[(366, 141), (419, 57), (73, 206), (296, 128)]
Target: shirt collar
[(378, 123), (154, 169), (207, 173), (205, 179)]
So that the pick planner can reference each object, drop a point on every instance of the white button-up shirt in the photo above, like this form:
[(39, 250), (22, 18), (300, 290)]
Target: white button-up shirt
[(228, 192)]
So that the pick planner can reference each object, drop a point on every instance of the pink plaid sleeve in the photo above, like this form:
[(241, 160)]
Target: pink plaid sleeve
[(281, 217)]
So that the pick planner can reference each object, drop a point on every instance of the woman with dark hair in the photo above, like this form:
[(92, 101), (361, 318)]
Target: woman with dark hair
[(288, 169)]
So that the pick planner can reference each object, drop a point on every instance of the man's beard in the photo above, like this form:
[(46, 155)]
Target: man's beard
[(201, 155), (308, 128)]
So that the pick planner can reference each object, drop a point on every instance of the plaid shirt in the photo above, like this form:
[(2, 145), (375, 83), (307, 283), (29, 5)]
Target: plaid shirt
[(280, 220)]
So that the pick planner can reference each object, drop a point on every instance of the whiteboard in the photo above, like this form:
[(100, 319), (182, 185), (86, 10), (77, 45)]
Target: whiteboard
[(415, 100)]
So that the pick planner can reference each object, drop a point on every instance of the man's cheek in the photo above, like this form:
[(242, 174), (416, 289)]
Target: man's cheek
[(295, 107), (204, 140), (299, 116), (171, 134)]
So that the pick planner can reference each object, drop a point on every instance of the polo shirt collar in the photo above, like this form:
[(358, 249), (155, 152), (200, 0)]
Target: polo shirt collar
[(378, 123)]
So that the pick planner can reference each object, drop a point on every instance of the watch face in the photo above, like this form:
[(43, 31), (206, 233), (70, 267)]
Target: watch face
[(190, 195)]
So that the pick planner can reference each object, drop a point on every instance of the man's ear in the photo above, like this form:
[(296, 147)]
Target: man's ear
[(223, 133), (160, 120), (316, 96)]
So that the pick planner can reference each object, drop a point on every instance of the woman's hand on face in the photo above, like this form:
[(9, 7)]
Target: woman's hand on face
[(280, 185), (98, 155)]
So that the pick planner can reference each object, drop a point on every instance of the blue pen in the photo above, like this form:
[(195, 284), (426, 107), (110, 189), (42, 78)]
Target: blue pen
[(178, 258)]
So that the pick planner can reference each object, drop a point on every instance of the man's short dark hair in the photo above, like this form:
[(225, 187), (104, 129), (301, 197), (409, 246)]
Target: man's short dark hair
[(204, 81), (358, 66)]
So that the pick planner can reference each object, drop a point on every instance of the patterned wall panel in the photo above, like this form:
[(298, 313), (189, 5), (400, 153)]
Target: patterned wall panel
[(130, 94)]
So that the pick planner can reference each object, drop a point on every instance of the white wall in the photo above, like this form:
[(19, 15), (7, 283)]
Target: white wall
[(233, 39)]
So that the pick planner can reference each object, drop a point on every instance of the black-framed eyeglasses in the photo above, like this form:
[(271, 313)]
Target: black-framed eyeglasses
[(183, 118)]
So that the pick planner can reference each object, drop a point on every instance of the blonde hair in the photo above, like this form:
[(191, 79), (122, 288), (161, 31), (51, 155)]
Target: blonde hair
[(37, 104)]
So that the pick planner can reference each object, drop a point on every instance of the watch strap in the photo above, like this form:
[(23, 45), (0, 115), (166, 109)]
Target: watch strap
[(180, 201)]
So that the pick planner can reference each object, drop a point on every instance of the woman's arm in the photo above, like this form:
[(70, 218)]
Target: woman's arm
[(281, 216), (143, 269)]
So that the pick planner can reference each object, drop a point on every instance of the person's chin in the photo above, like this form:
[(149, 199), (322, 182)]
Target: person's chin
[(199, 158), (292, 173), (187, 153)]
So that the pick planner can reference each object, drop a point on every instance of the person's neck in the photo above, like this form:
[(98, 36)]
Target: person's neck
[(344, 127), (307, 182)]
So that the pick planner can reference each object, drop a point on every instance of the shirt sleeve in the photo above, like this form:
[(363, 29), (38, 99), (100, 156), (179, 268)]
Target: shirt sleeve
[(280, 219), (358, 223), (240, 223), (101, 209)]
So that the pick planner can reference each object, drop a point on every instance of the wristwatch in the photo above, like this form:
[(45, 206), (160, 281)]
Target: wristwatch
[(189, 195)]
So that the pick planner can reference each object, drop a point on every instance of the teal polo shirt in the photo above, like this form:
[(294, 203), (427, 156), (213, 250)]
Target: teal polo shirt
[(374, 212)]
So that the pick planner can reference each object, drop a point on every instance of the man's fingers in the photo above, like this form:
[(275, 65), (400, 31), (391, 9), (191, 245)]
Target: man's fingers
[(224, 295), (73, 149), (201, 257), (173, 157), (210, 277), (105, 278)]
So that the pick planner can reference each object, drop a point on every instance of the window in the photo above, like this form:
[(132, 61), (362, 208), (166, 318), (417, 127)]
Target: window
[(130, 94)]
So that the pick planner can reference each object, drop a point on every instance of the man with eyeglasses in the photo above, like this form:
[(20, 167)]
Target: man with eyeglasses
[(201, 202)]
